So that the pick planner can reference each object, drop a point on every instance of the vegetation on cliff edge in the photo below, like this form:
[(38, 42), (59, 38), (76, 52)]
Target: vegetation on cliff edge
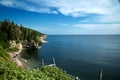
[(11, 31), (9, 70)]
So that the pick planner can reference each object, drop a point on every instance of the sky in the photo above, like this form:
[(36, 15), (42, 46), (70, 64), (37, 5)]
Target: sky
[(64, 17)]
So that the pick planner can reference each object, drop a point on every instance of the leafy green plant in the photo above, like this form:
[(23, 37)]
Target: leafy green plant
[(3, 54), (15, 49), (4, 44), (9, 71)]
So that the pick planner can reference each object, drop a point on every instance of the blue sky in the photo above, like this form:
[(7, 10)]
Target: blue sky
[(64, 16)]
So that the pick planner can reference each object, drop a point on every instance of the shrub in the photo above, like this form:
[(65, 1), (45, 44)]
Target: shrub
[(9, 71)]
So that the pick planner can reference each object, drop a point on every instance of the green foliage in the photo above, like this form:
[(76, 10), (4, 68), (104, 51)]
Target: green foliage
[(9, 71), (4, 44), (15, 49), (11, 31), (55, 72), (38, 39), (3, 54)]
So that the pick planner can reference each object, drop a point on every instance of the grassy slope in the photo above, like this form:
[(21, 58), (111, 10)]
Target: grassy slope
[(9, 71), (4, 57)]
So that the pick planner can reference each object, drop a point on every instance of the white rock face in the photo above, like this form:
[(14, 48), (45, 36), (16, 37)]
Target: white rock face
[(12, 43)]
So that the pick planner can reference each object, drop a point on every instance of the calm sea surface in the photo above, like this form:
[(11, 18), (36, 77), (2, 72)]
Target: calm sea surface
[(81, 56)]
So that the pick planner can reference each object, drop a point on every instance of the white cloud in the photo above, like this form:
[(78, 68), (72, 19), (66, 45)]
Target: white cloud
[(28, 5), (63, 24), (113, 28), (108, 18), (6, 3), (106, 10), (98, 26)]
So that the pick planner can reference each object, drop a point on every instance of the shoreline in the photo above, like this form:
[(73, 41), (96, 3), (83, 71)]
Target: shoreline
[(17, 59), (23, 63)]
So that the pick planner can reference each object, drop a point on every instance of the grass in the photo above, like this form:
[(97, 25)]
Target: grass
[(3, 55)]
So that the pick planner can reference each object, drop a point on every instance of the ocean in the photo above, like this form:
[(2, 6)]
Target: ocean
[(80, 55)]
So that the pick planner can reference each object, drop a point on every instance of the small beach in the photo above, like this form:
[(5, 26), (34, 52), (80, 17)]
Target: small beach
[(17, 59)]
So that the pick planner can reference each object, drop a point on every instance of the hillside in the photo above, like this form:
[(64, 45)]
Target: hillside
[(9, 31)]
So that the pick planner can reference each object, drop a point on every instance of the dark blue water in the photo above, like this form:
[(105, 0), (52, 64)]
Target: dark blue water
[(83, 56)]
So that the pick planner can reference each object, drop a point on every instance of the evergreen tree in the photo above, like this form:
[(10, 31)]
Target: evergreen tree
[(11, 31)]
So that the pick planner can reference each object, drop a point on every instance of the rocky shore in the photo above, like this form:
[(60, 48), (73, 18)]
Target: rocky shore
[(25, 44), (17, 59)]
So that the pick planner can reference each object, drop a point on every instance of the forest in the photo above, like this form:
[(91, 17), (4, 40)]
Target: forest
[(12, 31)]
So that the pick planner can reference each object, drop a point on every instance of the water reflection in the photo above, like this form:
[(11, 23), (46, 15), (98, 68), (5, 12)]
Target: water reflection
[(31, 55)]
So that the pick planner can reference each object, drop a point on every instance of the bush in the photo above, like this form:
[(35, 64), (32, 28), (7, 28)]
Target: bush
[(3, 54), (4, 44), (15, 49), (9, 71), (55, 72)]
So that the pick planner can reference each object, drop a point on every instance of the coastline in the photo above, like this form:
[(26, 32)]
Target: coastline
[(17, 59), (23, 63), (16, 55)]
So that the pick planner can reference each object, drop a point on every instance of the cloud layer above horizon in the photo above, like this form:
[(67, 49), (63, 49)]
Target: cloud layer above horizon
[(97, 11), (74, 8)]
